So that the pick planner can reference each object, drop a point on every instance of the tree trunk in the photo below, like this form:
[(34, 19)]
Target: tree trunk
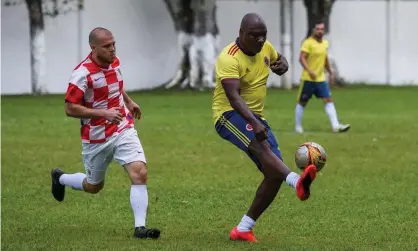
[(321, 9), (37, 46), (198, 42)]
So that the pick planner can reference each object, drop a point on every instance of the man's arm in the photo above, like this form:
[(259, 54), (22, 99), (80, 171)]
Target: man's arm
[(328, 66), (331, 73), (231, 87), (126, 98), (82, 112), (303, 60)]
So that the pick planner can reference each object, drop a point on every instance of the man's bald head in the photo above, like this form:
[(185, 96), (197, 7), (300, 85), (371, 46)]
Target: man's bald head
[(252, 20), (96, 33), (102, 45), (253, 33)]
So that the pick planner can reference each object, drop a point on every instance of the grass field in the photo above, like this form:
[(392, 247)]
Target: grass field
[(366, 197)]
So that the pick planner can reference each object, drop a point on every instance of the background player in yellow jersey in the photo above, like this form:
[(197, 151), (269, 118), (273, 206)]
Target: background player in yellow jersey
[(314, 60), (242, 69)]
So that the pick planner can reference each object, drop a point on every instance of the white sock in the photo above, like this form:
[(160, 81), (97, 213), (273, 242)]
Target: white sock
[(246, 224), (298, 115), (332, 114), (292, 179), (139, 203), (75, 180)]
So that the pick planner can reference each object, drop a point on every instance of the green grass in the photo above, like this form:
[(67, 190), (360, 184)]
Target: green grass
[(366, 197)]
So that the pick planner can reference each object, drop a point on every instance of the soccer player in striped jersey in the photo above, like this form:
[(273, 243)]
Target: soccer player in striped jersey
[(242, 69), (96, 96)]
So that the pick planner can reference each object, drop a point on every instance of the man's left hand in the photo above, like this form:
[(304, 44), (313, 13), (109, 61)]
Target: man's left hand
[(279, 67), (134, 109)]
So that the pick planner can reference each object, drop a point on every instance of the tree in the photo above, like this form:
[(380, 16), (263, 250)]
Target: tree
[(198, 41), (37, 10), (321, 10)]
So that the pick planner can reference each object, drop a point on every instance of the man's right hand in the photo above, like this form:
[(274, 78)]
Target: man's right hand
[(113, 115), (260, 131)]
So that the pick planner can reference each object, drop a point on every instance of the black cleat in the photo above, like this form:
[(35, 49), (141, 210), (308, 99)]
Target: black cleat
[(58, 190), (143, 233)]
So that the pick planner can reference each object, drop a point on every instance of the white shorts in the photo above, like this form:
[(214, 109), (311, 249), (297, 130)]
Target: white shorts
[(125, 148)]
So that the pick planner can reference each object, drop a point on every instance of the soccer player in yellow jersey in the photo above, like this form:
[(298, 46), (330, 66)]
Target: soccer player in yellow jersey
[(314, 60), (242, 69)]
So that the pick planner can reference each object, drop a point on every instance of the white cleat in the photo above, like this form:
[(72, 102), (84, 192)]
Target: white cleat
[(299, 129), (342, 128)]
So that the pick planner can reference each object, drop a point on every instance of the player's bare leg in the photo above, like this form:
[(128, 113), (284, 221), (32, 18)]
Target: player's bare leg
[(300, 107), (76, 181), (275, 172), (139, 199), (333, 118)]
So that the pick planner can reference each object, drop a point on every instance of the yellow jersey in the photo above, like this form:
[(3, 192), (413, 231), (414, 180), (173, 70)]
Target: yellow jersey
[(252, 71), (317, 55)]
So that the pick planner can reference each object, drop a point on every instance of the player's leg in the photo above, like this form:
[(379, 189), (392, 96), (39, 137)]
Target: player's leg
[(322, 91), (96, 158), (232, 127), (130, 154), (304, 94), (270, 163)]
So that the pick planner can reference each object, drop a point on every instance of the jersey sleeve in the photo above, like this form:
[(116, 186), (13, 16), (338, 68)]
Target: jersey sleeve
[(274, 56), (306, 46), (76, 88), (227, 67)]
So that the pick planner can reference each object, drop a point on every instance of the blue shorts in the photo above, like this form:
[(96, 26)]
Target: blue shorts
[(307, 88), (232, 127)]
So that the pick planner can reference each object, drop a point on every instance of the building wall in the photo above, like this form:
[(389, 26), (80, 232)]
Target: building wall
[(372, 41)]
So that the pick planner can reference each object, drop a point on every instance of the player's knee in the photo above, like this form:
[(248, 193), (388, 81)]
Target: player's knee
[(327, 100), (255, 148), (93, 188), (259, 149), (137, 173), (303, 103)]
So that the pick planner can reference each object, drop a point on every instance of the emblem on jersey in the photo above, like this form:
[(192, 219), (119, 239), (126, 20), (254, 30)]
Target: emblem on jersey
[(266, 60), (249, 127)]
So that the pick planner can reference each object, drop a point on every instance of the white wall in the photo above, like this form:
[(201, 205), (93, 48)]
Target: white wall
[(146, 41)]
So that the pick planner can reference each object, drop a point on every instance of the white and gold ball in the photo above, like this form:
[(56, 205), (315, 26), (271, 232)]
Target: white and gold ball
[(310, 153)]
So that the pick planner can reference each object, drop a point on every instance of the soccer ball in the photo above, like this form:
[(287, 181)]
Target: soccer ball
[(310, 153)]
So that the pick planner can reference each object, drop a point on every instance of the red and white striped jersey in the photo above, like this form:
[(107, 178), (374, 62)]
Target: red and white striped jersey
[(98, 88)]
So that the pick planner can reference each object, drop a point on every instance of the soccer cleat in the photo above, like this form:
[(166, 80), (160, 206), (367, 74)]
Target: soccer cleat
[(58, 190), (144, 233), (304, 183), (342, 128), (299, 129), (236, 235)]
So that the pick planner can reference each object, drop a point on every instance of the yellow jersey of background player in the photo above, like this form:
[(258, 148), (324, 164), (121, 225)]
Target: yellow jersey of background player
[(242, 69)]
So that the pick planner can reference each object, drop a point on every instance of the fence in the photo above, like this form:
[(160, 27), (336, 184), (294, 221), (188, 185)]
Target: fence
[(372, 41)]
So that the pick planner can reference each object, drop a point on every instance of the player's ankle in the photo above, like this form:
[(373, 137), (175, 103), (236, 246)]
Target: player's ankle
[(246, 224)]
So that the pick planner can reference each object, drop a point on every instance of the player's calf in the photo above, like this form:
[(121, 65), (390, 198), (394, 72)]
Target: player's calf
[(60, 180), (139, 200)]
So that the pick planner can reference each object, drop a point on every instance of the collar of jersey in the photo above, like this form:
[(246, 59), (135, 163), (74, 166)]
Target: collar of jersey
[(239, 46)]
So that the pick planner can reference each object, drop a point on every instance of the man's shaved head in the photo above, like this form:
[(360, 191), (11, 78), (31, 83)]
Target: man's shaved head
[(252, 33), (102, 45), (96, 33), (250, 20)]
